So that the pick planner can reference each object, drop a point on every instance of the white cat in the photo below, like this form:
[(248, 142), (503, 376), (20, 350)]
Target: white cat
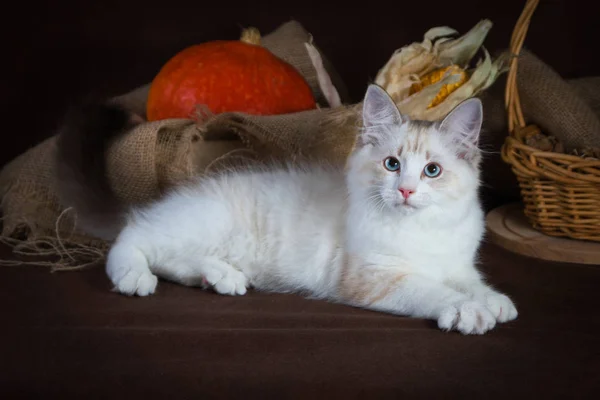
[(396, 231)]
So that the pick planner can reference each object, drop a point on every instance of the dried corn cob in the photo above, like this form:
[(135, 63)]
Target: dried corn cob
[(436, 76), (441, 46)]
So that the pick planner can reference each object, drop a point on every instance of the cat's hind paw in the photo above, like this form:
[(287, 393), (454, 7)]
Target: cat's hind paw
[(469, 318)]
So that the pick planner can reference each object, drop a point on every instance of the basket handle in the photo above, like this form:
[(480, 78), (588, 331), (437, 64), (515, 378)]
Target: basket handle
[(511, 96)]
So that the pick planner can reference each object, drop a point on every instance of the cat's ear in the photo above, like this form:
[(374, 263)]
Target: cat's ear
[(463, 124), (379, 108), (379, 113)]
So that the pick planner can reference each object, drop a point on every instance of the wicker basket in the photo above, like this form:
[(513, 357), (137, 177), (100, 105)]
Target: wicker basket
[(560, 192)]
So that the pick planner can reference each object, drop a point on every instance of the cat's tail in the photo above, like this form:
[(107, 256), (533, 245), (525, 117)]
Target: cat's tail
[(82, 143)]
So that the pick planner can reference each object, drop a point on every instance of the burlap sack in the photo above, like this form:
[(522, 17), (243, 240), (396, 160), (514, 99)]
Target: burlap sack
[(588, 89), (568, 109), (155, 156), (565, 109)]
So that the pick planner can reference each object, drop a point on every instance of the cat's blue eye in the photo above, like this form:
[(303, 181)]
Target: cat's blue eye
[(391, 164), (432, 170)]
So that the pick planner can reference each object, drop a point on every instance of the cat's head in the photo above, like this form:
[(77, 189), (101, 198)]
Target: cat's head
[(406, 165)]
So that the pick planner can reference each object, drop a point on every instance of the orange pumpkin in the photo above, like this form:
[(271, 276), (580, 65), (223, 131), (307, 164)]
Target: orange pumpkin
[(235, 75)]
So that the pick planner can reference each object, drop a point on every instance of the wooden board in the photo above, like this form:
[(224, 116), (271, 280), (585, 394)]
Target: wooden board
[(508, 227)]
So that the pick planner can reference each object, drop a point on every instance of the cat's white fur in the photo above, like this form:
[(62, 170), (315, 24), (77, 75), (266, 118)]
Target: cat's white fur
[(343, 235)]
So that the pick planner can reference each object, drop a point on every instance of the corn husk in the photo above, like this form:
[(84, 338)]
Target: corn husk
[(437, 75), (409, 64), (326, 84)]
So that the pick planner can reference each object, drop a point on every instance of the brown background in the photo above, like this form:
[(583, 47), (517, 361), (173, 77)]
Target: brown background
[(54, 52)]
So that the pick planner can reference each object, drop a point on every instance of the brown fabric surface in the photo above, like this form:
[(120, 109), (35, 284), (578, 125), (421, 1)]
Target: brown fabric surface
[(66, 335)]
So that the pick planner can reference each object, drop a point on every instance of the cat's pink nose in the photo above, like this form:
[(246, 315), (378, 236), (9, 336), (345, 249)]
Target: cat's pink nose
[(406, 192)]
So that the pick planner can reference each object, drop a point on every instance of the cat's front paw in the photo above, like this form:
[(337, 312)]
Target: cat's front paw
[(227, 281), (135, 282), (468, 317), (501, 306)]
